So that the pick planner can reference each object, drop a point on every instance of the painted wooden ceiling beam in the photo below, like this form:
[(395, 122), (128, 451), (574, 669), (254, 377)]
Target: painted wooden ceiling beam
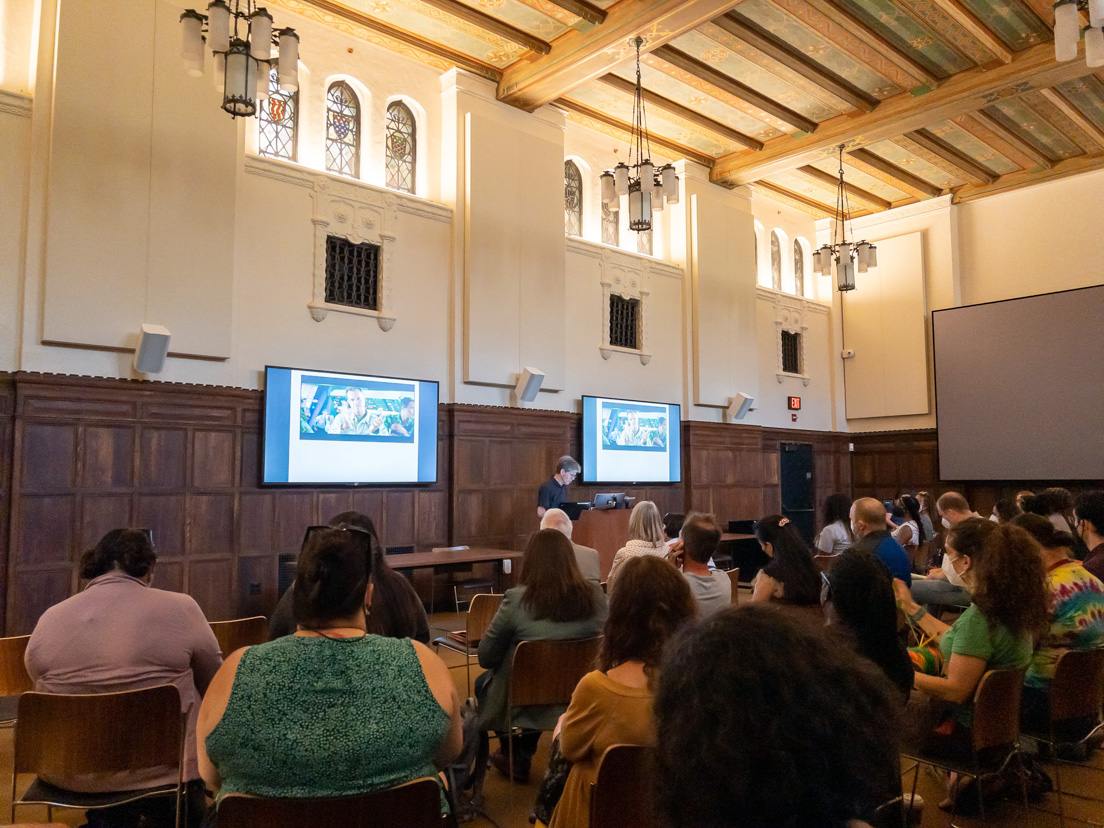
[(774, 47), (1067, 108), (492, 24), (793, 199), (852, 191), (886, 49), (584, 10), (976, 29), (578, 57), (952, 155), (1013, 138), (733, 87), (666, 104), (966, 92), (676, 149), (908, 182)]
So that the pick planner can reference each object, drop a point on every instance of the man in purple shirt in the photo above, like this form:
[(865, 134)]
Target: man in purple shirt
[(1088, 511)]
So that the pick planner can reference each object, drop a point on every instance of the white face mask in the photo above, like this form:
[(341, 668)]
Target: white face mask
[(994, 519), (946, 523), (952, 574)]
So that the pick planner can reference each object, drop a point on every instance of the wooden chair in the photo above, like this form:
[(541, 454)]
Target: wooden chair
[(241, 632), (544, 673), (734, 577), (14, 680), (466, 642), (995, 733), (65, 735), (824, 562), (622, 796), (416, 804), (1076, 698)]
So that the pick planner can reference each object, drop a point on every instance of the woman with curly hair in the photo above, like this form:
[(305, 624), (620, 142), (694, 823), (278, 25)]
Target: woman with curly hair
[(763, 720), (1000, 565), (791, 577)]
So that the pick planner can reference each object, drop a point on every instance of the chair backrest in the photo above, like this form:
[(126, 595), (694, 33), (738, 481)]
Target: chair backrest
[(13, 674), (824, 562), (241, 632), (480, 612), (546, 672), (1077, 690), (61, 735), (734, 577), (996, 716), (622, 795), (416, 804)]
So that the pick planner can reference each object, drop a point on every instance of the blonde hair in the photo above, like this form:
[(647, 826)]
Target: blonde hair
[(645, 523)]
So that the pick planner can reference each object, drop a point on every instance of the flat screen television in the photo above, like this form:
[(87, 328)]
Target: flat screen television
[(629, 441), (330, 428)]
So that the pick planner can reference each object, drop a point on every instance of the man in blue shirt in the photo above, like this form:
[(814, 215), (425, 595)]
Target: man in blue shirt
[(868, 524)]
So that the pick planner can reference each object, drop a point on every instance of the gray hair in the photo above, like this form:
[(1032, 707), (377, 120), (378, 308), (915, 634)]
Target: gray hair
[(557, 519), (567, 463)]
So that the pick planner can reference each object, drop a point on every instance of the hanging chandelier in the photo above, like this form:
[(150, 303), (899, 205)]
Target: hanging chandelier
[(1068, 31), (646, 185), (241, 41), (847, 255)]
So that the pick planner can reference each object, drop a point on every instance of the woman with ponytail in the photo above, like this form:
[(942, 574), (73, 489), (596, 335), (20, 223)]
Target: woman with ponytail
[(791, 577)]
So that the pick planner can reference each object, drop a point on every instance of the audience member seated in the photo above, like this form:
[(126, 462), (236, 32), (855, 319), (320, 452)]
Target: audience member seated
[(613, 704), (1075, 599), (1089, 514), (397, 611), (646, 537), (711, 588), (927, 509), (1059, 504), (1004, 510), (835, 537), (1020, 498), (791, 577), (1001, 566), (859, 601), (672, 526), (871, 529), (119, 634), (552, 601), (936, 591), (910, 533), (332, 710), (762, 720), (586, 558)]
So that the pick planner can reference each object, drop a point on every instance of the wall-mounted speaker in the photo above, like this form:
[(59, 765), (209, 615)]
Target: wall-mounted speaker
[(528, 384), (739, 406), (153, 348)]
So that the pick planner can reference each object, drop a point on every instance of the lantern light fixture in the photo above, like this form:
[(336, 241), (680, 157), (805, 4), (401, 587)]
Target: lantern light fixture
[(848, 256)]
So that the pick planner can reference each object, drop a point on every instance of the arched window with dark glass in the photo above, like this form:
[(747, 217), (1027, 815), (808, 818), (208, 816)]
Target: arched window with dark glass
[(342, 130), (277, 121), (776, 261), (573, 199), (400, 145), (611, 228), (799, 268)]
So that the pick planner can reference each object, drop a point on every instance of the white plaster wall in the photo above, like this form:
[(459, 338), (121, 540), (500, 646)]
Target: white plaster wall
[(771, 408), (795, 225), (15, 138), (18, 21)]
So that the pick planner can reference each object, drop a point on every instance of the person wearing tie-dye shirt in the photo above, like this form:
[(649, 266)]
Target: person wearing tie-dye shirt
[(1076, 602)]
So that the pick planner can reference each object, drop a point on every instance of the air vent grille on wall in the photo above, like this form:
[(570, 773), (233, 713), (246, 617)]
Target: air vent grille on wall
[(352, 273)]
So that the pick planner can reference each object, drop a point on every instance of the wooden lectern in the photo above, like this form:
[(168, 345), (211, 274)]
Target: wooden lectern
[(606, 530)]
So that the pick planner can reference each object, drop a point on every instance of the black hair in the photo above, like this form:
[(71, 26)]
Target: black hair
[(762, 720), (1007, 508), (1036, 505), (127, 550), (331, 578), (837, 508), (1090, 506), (861, 592), (672, 524), (911, 507), (1044, 532), (792, 562)]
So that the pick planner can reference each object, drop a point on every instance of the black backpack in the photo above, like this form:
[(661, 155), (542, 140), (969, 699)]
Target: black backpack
[(465, 775)]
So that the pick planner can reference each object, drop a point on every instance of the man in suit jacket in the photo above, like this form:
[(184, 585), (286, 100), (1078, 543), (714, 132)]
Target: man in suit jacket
[(586, 557)]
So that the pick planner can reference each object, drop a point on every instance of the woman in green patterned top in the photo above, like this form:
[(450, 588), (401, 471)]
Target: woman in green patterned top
[(329, 711)]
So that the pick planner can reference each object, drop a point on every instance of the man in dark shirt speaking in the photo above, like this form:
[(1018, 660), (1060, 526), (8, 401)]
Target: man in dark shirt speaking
[(553, 491)]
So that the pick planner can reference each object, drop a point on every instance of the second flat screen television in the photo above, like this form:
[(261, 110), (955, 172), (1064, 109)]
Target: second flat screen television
[(629, 441)]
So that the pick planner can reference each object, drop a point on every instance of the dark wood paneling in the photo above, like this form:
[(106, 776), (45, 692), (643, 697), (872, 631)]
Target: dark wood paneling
[(7, 407)]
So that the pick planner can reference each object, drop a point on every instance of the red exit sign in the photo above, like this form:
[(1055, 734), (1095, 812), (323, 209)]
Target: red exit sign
[(795, 403)]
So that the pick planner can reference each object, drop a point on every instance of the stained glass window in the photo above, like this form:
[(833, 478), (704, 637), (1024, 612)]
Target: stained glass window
[(624, 322), (644, 242), (400, 146), (276, 121), (791, 352), (799, 268), (776, 261), (611, 228), (342, 130), (573, 199), (352, 273)]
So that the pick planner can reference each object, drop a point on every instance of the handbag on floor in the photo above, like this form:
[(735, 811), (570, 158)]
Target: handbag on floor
[(465, 775)]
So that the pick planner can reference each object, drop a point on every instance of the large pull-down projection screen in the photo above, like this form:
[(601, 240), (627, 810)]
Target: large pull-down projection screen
[(1019, 388)]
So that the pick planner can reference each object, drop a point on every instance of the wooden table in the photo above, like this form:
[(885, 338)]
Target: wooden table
[(455, 558)]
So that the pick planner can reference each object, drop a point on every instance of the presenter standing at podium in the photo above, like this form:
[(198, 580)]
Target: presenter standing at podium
[(553, 491)]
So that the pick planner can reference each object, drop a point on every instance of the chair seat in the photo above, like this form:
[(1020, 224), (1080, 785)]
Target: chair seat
[(43, 793), (9, 707), (450, 643), (990, 760)]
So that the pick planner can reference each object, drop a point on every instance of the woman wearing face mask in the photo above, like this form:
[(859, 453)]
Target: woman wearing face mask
[(1001, 567)]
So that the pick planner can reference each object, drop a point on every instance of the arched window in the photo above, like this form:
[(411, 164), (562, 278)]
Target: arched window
[(761, 275), (400, 146), (276, 121), (611, 227), (573, 199), (342, 130), (644, 242), (776, 261), (799, 268)]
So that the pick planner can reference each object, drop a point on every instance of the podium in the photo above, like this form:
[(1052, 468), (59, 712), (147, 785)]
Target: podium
[(606, 530)]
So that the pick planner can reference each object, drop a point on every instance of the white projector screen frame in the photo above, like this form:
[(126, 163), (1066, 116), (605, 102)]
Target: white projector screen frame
[(1020, 388)]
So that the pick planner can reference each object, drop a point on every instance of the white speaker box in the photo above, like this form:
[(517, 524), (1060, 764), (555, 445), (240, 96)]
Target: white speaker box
[(153, 348), (739, 406), (528, 384)]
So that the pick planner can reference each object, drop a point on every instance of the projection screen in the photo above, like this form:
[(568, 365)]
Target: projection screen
[(1019, 388)]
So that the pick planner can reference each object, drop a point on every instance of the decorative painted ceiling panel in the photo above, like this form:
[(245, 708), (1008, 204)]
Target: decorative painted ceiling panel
[(970, 146), (913, 164), (1087, 94), (1014, 23), (1031, 126), (860, 179), (899, 27)]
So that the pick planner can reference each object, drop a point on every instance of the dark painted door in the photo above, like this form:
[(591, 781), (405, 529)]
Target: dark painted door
[(798, 490)]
